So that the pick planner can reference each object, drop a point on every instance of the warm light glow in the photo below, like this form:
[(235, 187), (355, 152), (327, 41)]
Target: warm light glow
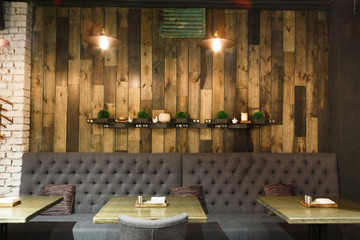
[(104, 43), (216, 46)]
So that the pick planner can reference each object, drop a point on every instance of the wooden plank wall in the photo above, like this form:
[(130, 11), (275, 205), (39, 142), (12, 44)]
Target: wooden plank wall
[(279, 67)]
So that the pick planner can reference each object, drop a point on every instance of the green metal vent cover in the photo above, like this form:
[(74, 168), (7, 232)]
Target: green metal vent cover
[(182, 23)]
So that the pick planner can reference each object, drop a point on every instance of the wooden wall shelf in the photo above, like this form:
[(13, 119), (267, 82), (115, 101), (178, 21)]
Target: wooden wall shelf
[(111, 123)]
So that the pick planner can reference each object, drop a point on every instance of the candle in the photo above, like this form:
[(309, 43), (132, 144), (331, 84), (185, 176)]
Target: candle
[(244, 116)]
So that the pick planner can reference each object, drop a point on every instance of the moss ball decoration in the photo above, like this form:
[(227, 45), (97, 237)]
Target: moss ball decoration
[(258, 116), (222, 115), (103, 114), (181, 114), (143, 114)]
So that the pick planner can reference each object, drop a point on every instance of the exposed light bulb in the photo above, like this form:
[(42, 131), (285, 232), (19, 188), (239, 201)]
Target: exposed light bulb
[(216, 46), (104, 43)]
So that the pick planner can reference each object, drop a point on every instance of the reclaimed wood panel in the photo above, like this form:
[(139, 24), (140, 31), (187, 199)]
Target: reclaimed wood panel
[(265, 78), (194, 94), (122, 79), (218, 94), (85, 105), (277, 59), (157, 142), (300, 48), (96, 53), (242, 49), (288, 128), (60, 123), (86, 30), (254, 68), (108, 140), (72, 134), (300, 145), (277, 139), (254, 27), (311, 65), (170, 94), (111, 31), (37, 81), (289, 31), (229, 102), (279, 66), (72, 131), (62, 42), (97, 105), (300, 111), (312, 135)]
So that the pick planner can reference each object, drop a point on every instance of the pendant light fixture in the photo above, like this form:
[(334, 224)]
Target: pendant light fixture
[(216, 43), (102, 41)]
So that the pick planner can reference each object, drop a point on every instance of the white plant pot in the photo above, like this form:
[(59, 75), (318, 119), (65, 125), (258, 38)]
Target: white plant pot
[(164, 117)]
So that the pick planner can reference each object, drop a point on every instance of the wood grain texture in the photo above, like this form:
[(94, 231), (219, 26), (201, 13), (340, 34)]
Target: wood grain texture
[(300, 111), (277, 139), (254, 27), (242, 49), (288, 128), (289, 31), (60, 123), (85, 105), (253, 89), (312, 135), (110, 30), (194, 94), (122, 79), (265, 78), (279, 66), (311, 65), (300, 48), (62, 42)]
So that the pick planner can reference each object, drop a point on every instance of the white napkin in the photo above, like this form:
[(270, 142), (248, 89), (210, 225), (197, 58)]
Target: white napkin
[(157, 200), (323, 201), (8, 200)]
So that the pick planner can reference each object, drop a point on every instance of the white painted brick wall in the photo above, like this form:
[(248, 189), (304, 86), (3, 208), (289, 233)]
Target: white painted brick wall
[(15, 67)]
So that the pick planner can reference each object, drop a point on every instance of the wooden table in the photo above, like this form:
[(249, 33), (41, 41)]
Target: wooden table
[(30, 207), (126, 205), (289, 209)]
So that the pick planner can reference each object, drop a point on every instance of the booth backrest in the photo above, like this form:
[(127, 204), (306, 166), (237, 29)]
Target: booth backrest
[(232, 181), (100, 176)]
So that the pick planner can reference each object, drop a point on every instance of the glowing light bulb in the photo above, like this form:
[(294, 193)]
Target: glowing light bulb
[(216, 46), (104, 43)]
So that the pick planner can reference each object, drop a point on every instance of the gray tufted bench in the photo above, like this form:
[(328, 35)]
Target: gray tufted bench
[(231, 182)]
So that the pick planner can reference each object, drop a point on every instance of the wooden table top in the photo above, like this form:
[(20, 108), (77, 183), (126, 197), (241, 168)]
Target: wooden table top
[(30, 207), (290, 209), (126, 205)]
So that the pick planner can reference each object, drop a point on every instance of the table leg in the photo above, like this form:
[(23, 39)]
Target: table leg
[(3, 231), (317, 231)]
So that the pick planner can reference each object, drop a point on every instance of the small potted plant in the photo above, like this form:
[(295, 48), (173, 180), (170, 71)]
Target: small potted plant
[(258, 118), (222, 117), (143, 116), (181, 116), (103, 115)]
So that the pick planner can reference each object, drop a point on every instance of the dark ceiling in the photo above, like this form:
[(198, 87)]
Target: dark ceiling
[(252, 4)]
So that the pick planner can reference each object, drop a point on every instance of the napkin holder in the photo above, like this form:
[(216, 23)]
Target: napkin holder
[(148, 204), (312, 205)]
